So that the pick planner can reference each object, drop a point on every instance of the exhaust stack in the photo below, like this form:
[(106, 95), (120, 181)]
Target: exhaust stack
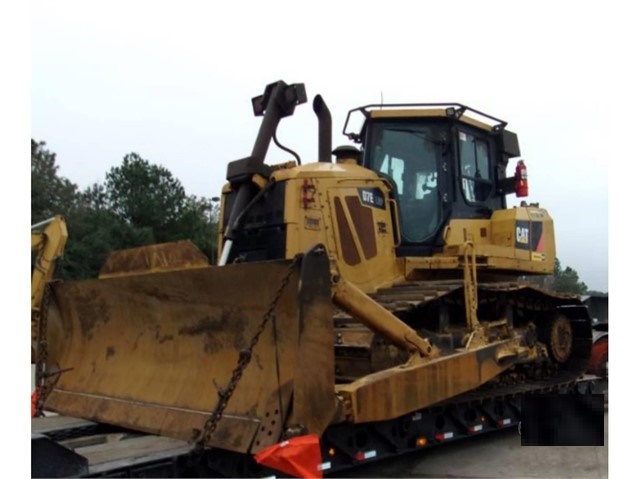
[(278, 101), (325, 124)]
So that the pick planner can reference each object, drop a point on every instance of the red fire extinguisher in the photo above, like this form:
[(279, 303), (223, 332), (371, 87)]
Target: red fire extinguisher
[(521, 179)]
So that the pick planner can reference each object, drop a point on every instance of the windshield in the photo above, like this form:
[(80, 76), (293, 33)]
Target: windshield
[(408, 154)]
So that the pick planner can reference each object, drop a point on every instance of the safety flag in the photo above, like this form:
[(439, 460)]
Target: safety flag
[(299, 457)]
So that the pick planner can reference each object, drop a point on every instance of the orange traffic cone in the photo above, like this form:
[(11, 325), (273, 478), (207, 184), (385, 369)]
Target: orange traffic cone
[(299, 457)]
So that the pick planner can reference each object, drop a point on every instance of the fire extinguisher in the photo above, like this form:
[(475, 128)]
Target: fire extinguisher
[(521, 179)]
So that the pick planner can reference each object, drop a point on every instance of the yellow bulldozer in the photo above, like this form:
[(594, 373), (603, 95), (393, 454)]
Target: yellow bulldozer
[(372, 300)]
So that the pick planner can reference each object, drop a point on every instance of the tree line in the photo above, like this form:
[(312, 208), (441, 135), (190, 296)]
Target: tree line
[(138, 203), (563, 280)]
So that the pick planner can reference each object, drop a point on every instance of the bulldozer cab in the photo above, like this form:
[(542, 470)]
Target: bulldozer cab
[(443, 163)]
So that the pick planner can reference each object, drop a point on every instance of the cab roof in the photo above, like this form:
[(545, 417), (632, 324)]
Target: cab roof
[(455, 111)]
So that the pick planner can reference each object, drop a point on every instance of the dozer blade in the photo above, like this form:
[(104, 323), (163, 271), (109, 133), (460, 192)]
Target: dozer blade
[(150, 352)]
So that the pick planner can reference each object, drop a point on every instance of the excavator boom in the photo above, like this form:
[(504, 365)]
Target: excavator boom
[(48, 239)]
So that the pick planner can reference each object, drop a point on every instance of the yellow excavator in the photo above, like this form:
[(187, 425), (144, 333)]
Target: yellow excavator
[(373, 300), (48, 240)]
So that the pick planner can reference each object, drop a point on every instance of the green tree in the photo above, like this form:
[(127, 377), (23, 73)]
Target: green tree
[(51, 194), (562, 280), (138, 204), (94, 232), (198, 222), (567, 280), (147, 195)]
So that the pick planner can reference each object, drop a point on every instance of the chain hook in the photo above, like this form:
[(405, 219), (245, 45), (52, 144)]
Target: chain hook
[(201, 438)]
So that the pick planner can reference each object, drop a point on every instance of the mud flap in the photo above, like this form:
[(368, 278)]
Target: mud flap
[(150, 352)]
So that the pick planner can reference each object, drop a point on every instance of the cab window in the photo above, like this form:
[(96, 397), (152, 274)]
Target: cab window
[(408, 154), (476, 180)]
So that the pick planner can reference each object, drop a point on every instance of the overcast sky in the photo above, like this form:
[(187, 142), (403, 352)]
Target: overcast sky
[(173, 81)]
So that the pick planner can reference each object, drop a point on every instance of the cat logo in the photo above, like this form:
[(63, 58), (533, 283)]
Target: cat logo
[(529, 236), (521, 234)]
